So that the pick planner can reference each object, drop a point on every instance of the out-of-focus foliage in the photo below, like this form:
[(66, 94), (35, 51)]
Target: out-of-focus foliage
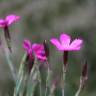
[(43, 19)]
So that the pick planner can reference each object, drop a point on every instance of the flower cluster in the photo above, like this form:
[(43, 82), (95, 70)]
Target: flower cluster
[(37, 49), (41, 52)]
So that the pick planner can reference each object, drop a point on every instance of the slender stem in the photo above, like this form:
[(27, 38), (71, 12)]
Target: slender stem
[(52, 90), (20, 77), (47, 79), (10, 64), (78, 91), (24, 88), (32, 84), (39, 78), (81, 86), (20, 72), (38, 75), (63, 81), (16, 91)]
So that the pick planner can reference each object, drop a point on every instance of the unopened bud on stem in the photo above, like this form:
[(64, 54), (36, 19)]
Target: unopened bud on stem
[(29, 63), (46, 48), (85, 70)]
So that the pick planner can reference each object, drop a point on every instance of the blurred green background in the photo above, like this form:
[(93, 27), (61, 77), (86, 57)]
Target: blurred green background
[(44, 19)]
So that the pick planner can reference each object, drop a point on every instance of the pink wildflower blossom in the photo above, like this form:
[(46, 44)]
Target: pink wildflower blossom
[(8, 20), (4, 23), (28, 47), (65, 43), (37, 49)]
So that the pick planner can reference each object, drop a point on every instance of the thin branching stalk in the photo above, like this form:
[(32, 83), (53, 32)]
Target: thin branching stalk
[(20, 76), (21, 66), (39, 79), (65, 60), (63, 81), (10, 64), (23, 92), (78, 91), (52, 89), (38, 75), (16, 91), (81, 86), (47, 79), (34, 81), (32, 84)]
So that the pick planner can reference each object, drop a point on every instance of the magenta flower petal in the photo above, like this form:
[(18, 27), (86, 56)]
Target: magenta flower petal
[(2, 23), (77, 48), (27, 44), (55, 42), (74, 49), (64, 44), (76, 44), (37, 47), (11, 19), (65, 39), (29, 51), (40, 57), (39, 51), (27, 47)]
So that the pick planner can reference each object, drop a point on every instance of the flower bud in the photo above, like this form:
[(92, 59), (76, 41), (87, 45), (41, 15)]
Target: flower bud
[(29, 63), (65, 58), (46, 48), (85, 70)]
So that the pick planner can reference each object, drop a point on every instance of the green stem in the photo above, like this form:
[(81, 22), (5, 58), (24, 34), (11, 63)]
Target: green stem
[(47, 80), (10, 64), (63, 81), (38, 75), (81, 86), (78, 91), (20, 77), (52, 90), (32, 84), (17, 88), (39, 79)]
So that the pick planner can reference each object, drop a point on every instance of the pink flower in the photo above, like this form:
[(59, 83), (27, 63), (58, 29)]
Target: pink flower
[(8, 20), (28, 47), (65, 43), (37, 49)]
